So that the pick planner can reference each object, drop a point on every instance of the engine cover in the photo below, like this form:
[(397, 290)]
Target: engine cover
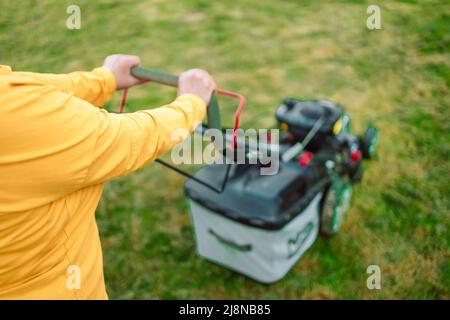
[(298, 117)]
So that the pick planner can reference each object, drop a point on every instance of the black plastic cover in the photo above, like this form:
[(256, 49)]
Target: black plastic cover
[(301, 115), (264, 201)]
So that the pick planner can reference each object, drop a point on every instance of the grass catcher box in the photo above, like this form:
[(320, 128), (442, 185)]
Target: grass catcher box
[(259, 225)]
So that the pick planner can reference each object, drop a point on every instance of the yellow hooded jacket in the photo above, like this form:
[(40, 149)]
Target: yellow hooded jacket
[(57, 150)]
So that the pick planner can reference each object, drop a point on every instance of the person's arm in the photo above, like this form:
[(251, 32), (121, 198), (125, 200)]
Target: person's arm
[(54, 143), (125, 142), (96, 86)]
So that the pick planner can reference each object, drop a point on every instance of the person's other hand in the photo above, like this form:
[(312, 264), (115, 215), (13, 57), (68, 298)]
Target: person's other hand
[(120, 65), (198, 82)]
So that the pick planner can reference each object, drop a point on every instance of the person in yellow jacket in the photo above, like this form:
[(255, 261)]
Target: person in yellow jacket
[(57, 150)]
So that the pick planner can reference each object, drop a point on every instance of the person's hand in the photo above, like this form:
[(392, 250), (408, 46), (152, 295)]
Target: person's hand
[(120, 65), (198, 82)]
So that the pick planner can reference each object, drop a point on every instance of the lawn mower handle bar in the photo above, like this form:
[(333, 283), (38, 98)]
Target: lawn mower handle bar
[(171, 79)]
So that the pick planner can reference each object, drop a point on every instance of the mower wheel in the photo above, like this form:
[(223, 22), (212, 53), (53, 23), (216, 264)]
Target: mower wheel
[(335, 205), (369, 142)]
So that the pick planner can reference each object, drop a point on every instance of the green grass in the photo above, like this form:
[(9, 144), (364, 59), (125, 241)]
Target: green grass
[(396, 77)]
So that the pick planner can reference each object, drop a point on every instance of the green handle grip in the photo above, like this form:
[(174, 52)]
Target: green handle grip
[(155, 75), (171, 79)]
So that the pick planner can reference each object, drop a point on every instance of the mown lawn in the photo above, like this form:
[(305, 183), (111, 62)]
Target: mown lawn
[(397, 77)]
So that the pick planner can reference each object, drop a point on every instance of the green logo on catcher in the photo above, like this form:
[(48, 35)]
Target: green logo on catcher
[(296, 243)]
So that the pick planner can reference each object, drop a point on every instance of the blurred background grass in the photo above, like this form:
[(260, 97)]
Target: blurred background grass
[(396, 77)]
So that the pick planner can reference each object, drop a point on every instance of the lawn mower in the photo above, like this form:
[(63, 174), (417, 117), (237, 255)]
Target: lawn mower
[(260, 225)]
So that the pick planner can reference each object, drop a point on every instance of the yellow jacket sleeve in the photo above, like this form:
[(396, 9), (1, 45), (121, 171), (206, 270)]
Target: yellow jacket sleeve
[(125, 142), (96, 86), (54, 143)]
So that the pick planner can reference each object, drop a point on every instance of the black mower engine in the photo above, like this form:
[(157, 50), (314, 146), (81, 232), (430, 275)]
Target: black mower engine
[(298, 117), (321, 127)]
